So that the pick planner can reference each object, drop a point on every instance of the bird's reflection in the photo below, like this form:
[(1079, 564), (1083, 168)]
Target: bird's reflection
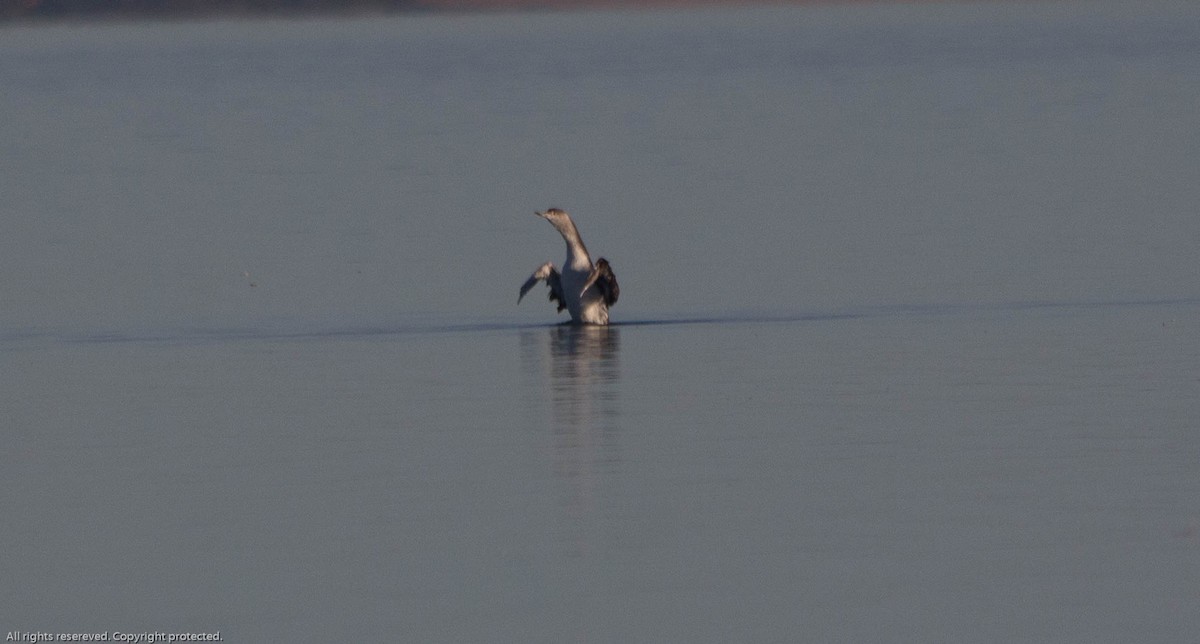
[(577, 368), (583, 374)]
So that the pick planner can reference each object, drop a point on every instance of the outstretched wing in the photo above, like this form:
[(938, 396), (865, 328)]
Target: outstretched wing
[(546, 272), (603, 278)]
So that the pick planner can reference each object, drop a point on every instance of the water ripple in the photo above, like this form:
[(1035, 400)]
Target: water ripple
[(285, 334)]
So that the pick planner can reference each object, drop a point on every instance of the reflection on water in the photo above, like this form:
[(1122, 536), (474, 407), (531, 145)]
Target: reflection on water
[(584, 370), (578, 368)]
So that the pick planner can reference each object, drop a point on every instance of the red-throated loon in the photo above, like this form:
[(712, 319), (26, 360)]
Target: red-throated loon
[(583, 289)]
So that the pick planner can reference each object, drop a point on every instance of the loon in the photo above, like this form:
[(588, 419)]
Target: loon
[(584, 289)]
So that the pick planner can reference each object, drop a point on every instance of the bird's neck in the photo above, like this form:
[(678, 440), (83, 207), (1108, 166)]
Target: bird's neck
[(577, 254)]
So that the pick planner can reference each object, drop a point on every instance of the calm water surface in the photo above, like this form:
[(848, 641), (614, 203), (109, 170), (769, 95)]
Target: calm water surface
[(907, 346)]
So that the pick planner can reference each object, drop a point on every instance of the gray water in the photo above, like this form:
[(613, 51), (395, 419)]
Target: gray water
[(907, 348)]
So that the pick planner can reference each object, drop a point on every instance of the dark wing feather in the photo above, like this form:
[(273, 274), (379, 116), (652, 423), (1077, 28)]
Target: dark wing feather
[(605, 280), (556, 292), (546, 272)]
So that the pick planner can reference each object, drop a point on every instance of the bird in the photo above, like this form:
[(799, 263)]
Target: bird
[(584, 289)]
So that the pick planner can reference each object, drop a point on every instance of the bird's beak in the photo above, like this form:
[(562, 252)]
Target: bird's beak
[(539, 214)]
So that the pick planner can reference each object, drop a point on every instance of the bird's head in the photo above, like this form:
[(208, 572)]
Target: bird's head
[(557, 218)]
